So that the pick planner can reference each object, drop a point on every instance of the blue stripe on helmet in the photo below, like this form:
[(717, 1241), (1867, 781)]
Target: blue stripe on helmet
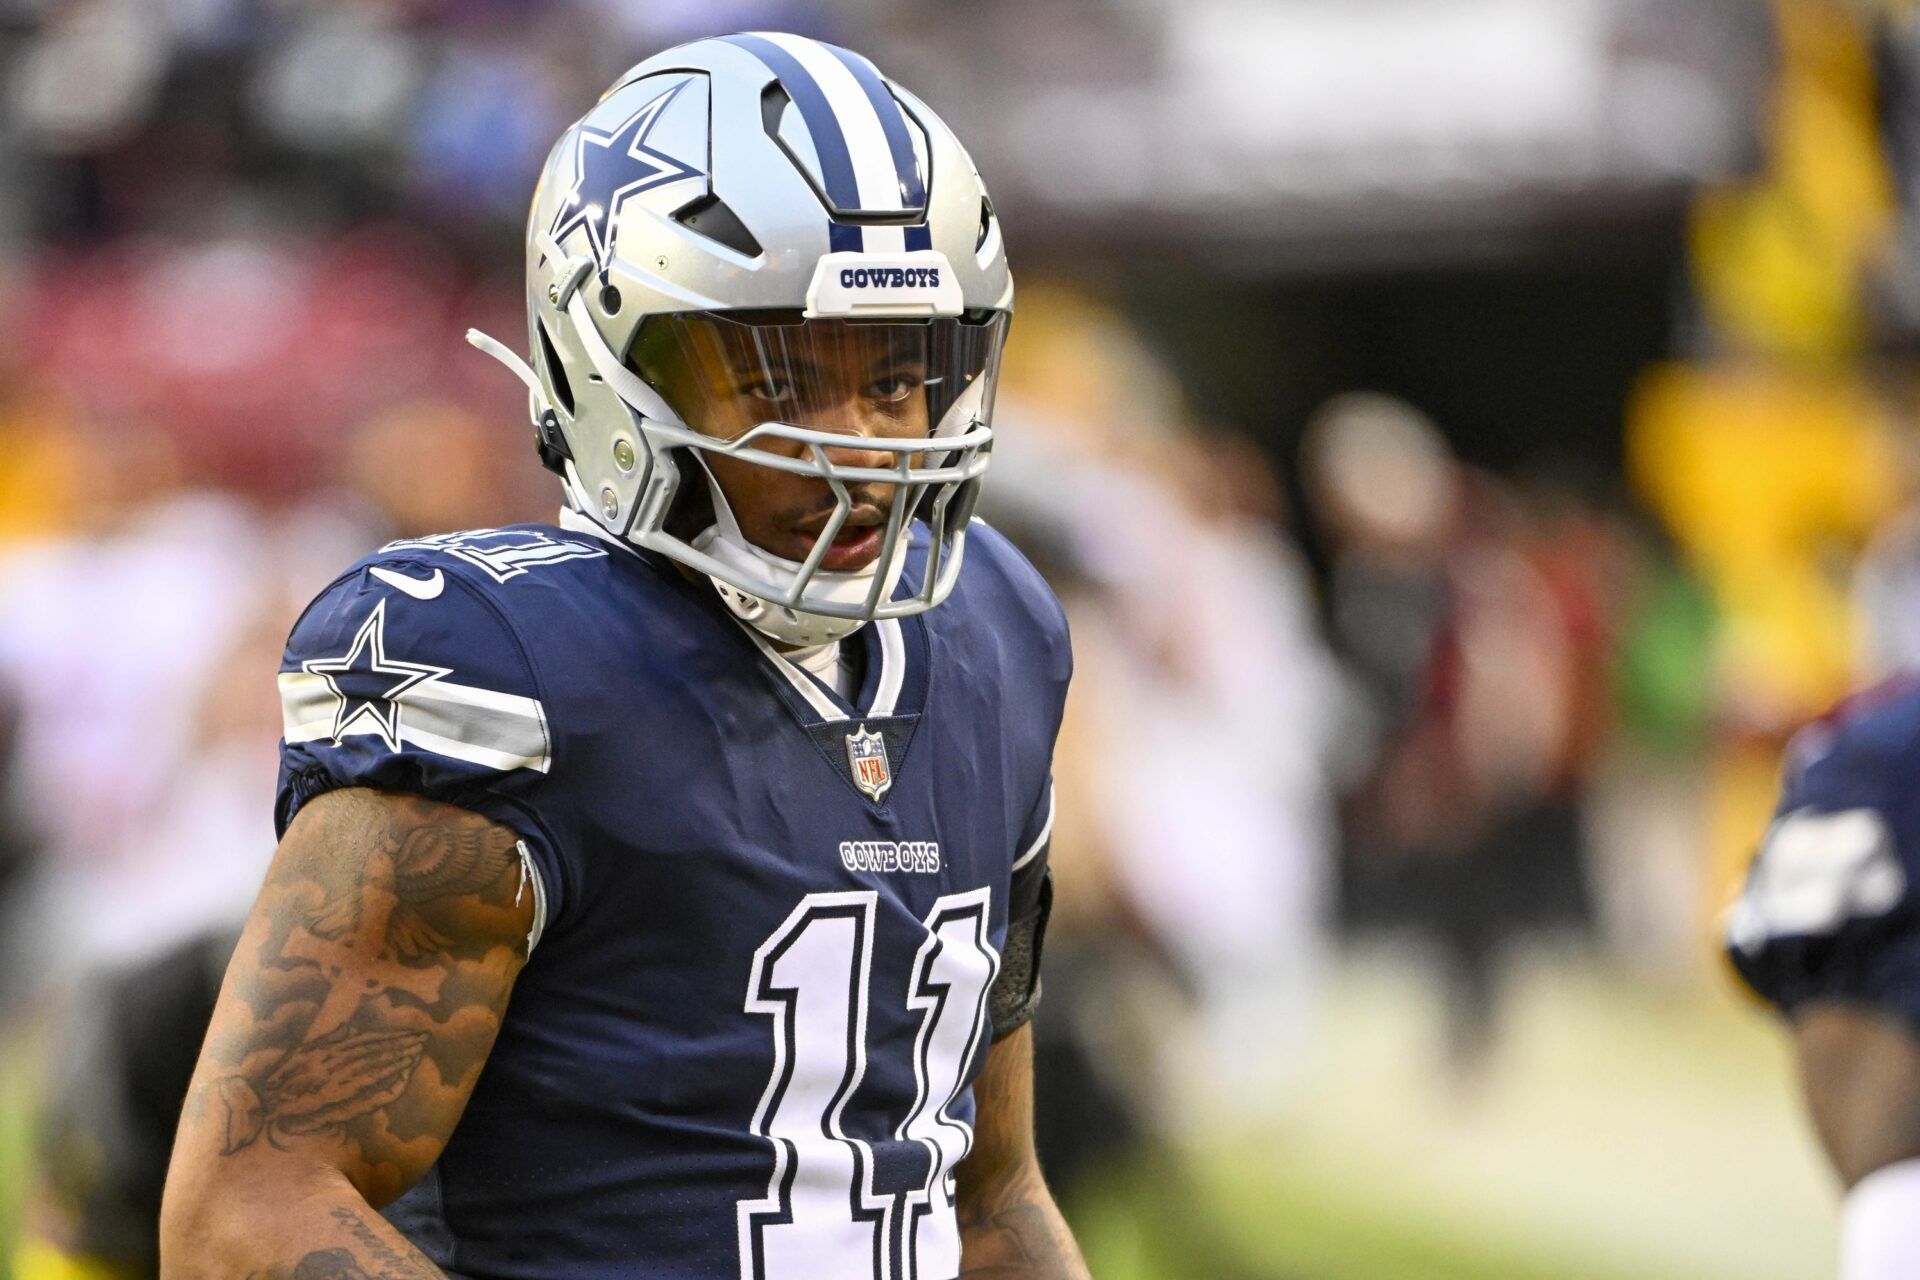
[(893, 123), (843, 237), (919, 237), (829, 143)]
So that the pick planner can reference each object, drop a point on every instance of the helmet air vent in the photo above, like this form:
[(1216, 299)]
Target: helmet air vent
[(986, 223), (774, 102), (556, 372), (787, 127), (711, 217)]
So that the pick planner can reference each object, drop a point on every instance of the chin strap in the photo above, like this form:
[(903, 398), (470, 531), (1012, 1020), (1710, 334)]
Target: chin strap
[(775, 621), (515, 365), (555, 453)]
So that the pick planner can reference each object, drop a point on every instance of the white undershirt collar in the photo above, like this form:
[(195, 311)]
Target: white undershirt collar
[(829, 664)]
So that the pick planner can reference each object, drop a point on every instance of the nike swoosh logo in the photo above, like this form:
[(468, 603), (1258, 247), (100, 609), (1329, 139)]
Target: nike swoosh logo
[(418, 588)]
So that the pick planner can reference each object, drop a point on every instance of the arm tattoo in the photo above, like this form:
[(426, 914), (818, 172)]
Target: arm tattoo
[(321, 1085), (412, 1263), (1010, 1228), (431, 862), (321, 1264), (386, 1262), (367, 994), (1021, 1240)]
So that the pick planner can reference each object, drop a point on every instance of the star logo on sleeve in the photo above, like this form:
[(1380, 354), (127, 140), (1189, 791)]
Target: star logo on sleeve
[(368, 683), (610, 167)]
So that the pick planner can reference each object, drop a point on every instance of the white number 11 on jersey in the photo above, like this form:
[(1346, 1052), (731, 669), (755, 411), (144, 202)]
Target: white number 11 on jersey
[(820, 1218)]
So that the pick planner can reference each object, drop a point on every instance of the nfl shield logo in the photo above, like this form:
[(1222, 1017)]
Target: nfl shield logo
[(867, 757)]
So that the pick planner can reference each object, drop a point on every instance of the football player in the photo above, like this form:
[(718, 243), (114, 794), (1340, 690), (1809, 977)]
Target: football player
[(662, 893), (1828, 929)]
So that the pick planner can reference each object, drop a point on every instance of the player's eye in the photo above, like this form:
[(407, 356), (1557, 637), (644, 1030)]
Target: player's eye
[(895, 387), (770, 390)]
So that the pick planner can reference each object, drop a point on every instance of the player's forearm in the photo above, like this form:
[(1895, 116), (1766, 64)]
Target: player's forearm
[(285, 1227), (1015, 1232)]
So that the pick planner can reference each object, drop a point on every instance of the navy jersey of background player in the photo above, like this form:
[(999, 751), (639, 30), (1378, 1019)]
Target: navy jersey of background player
[(770, 917), (1830, 910)]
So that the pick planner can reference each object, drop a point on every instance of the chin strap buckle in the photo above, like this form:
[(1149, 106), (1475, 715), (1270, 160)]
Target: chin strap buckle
[(573, 274), (550, 444)]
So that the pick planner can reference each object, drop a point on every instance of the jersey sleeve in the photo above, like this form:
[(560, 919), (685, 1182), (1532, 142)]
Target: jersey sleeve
[(1030, 860), (402, 677), (1828, 910), (1016, 988)]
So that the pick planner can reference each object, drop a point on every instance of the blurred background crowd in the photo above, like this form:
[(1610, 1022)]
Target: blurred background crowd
[(1469, 435)]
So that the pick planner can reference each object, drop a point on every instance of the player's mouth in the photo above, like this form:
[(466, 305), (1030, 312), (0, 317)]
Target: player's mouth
[(855, 548), (857, 544)]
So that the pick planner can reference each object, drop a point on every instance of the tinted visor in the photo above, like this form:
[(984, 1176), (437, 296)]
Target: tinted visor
[(725, 373)]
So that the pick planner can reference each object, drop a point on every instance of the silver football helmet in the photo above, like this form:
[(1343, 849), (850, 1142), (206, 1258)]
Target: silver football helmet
[(749, 210)]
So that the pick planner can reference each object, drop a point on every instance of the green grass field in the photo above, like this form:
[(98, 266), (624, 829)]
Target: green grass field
[(1622, 1132), (16, 1072)]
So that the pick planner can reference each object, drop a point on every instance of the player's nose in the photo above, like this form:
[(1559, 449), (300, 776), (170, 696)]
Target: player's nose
[(862, 450)]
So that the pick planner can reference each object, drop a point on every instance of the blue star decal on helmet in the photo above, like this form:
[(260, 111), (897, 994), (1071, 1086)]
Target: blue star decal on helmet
[(367, 682), (610, 167)]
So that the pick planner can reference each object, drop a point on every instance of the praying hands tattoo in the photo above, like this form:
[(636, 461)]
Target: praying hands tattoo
[(361, 1005), (346, 1073)]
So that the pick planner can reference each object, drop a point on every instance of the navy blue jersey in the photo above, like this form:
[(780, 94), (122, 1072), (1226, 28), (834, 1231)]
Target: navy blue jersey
[(1830, 909), (744, 1042)]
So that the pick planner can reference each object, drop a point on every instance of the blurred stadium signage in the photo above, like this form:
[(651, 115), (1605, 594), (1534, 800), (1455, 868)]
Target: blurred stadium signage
[(1333, 130)]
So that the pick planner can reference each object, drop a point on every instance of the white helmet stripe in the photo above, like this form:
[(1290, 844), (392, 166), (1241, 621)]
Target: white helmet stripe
[(867, 145), (893, 122)]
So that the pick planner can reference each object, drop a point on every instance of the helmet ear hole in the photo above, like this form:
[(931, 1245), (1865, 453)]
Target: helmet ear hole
[(986, 223), (556, 372)]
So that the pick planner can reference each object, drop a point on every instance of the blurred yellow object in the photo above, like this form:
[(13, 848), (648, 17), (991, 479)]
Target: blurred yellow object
[(39, 467), (1778, 261), (1763, 473), (1771, 479), (1082, 365), (39, 1260)]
